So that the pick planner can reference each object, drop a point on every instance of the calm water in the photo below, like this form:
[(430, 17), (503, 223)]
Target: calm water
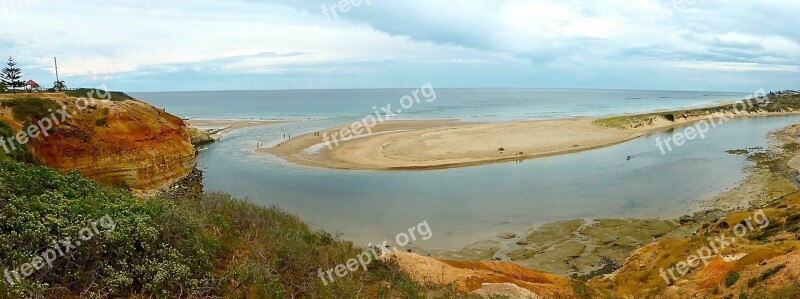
[(467, 204), (480, 104)]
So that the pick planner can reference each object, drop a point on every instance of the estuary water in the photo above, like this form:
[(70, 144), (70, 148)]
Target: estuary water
[(464, 205)]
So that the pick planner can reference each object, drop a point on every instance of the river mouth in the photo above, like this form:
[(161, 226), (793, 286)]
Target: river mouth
[(471, 204)]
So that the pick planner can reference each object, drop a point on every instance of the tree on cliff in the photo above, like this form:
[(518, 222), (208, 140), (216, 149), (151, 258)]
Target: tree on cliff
[(11, 74)]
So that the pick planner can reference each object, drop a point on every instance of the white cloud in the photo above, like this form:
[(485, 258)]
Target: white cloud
[(100, 38)]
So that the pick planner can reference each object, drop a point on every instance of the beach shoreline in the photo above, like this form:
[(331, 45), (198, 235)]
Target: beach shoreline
[(442, 144), (223, 127)]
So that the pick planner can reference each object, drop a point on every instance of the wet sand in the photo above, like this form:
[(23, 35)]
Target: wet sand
[(310, 149), (587, 247), (231, 125), (417, 145), (216, 129)]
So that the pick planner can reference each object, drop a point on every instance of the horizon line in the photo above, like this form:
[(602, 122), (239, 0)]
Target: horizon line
[(440, 88)]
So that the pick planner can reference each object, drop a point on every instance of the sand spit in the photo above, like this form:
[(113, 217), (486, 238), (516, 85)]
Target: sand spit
[(418, 145)]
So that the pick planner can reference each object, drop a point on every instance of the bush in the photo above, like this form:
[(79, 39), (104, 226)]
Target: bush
[(150, 250), (201, 245), (771, 271), (732, 279), (17, 152), (30, 108), (96, 94)]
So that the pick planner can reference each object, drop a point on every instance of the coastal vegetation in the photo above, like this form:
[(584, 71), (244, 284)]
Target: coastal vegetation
[(17, 153), (191, 245), (10, 75), (27, 108), (97, 94), (120, 143), (188, 243), (772, 103)]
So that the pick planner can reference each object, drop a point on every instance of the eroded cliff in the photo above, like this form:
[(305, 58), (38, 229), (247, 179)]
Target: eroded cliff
[(113, 139)]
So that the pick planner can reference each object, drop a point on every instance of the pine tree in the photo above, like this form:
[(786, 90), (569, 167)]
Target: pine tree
[(11, 74)]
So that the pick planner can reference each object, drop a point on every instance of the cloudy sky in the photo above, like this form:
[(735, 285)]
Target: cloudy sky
[(142, 45)]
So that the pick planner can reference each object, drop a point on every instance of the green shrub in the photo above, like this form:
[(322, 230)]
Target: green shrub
[(771, 271), (779, 104), (202, 245), (99, 94), (31, 108), (150, 250), (17, 152), (732, 279)]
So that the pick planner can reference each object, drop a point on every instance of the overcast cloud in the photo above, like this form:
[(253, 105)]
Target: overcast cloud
[(286, 44)]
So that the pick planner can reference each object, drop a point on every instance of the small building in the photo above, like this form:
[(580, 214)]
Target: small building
[(31, 85)]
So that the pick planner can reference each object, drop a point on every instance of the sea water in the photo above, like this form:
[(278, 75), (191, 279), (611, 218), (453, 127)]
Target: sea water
[(464, 205)]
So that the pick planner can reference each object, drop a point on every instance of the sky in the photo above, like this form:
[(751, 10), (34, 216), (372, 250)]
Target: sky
[(177, 45)]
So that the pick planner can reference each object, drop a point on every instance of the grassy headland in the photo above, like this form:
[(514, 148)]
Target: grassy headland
[(184, 244), (192, 245)]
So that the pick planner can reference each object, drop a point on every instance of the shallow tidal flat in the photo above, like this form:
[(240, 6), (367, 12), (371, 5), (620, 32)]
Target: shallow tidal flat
[(578, 247), (587, 248), (372, 206)]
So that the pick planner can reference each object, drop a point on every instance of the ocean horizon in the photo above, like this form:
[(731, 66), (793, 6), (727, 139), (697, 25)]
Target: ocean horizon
[(482, 104), (365, 205)]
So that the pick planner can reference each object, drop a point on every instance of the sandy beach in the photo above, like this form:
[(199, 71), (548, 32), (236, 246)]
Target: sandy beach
[(408, 145), (310, 149), (230, 125)]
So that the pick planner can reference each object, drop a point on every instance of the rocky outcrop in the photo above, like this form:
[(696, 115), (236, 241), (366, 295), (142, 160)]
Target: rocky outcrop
[(120, 142), (743, 253), (489, 279), (200, 137)]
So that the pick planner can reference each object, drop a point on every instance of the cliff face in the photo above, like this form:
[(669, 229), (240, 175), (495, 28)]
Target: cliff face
[(121, 142)]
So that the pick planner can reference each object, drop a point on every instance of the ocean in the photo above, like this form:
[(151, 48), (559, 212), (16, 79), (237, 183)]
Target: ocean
[(465, 205), (466, 104)]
